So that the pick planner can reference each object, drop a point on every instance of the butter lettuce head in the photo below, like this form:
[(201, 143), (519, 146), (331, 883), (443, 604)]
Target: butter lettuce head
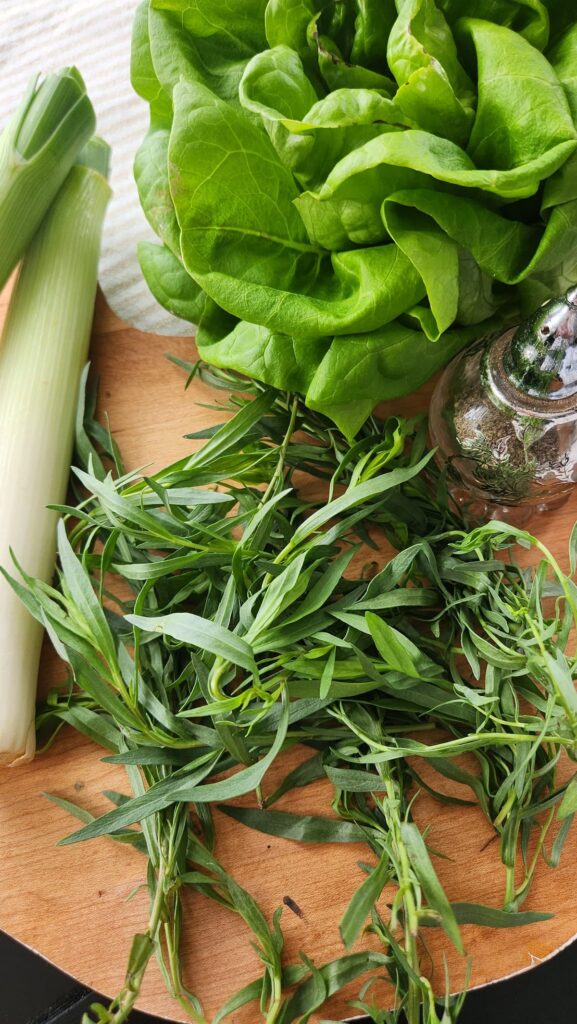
[(345, 197)]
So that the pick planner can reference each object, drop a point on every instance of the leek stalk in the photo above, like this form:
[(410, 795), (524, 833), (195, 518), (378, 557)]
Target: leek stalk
[(43, 350), (38, 147)]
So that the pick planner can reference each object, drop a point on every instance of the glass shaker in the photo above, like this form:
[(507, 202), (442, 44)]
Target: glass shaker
[(504, 417)]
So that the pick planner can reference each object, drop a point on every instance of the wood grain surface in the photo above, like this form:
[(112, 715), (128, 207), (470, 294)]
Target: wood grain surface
[(80, 905)]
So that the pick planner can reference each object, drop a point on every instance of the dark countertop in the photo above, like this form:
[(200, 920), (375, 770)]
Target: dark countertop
[(34, 992)]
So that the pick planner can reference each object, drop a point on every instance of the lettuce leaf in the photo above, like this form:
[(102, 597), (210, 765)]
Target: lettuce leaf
[(346, 194)]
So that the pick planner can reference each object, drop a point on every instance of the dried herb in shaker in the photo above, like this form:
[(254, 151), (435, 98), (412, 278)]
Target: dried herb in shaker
[(504, 414)]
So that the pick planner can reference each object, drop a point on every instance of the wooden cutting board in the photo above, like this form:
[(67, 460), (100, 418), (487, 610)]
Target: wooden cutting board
[(80, 905)]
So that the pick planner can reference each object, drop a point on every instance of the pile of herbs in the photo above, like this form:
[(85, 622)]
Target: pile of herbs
[(348, 192), (245, 625)]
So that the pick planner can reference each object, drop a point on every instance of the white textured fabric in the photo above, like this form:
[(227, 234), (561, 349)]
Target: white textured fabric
[(44, 35)]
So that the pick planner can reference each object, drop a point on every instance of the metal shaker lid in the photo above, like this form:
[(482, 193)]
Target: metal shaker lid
[(541, 359)]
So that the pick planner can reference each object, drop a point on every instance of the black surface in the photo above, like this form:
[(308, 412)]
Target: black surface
[(34, 992)]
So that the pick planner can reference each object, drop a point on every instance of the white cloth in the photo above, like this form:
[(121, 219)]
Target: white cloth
[(44, 35)]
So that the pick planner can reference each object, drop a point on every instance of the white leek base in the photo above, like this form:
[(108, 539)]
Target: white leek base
[(44, 347)]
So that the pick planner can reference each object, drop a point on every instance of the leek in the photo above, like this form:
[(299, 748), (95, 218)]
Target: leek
[(43, 350), (37, 150)]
